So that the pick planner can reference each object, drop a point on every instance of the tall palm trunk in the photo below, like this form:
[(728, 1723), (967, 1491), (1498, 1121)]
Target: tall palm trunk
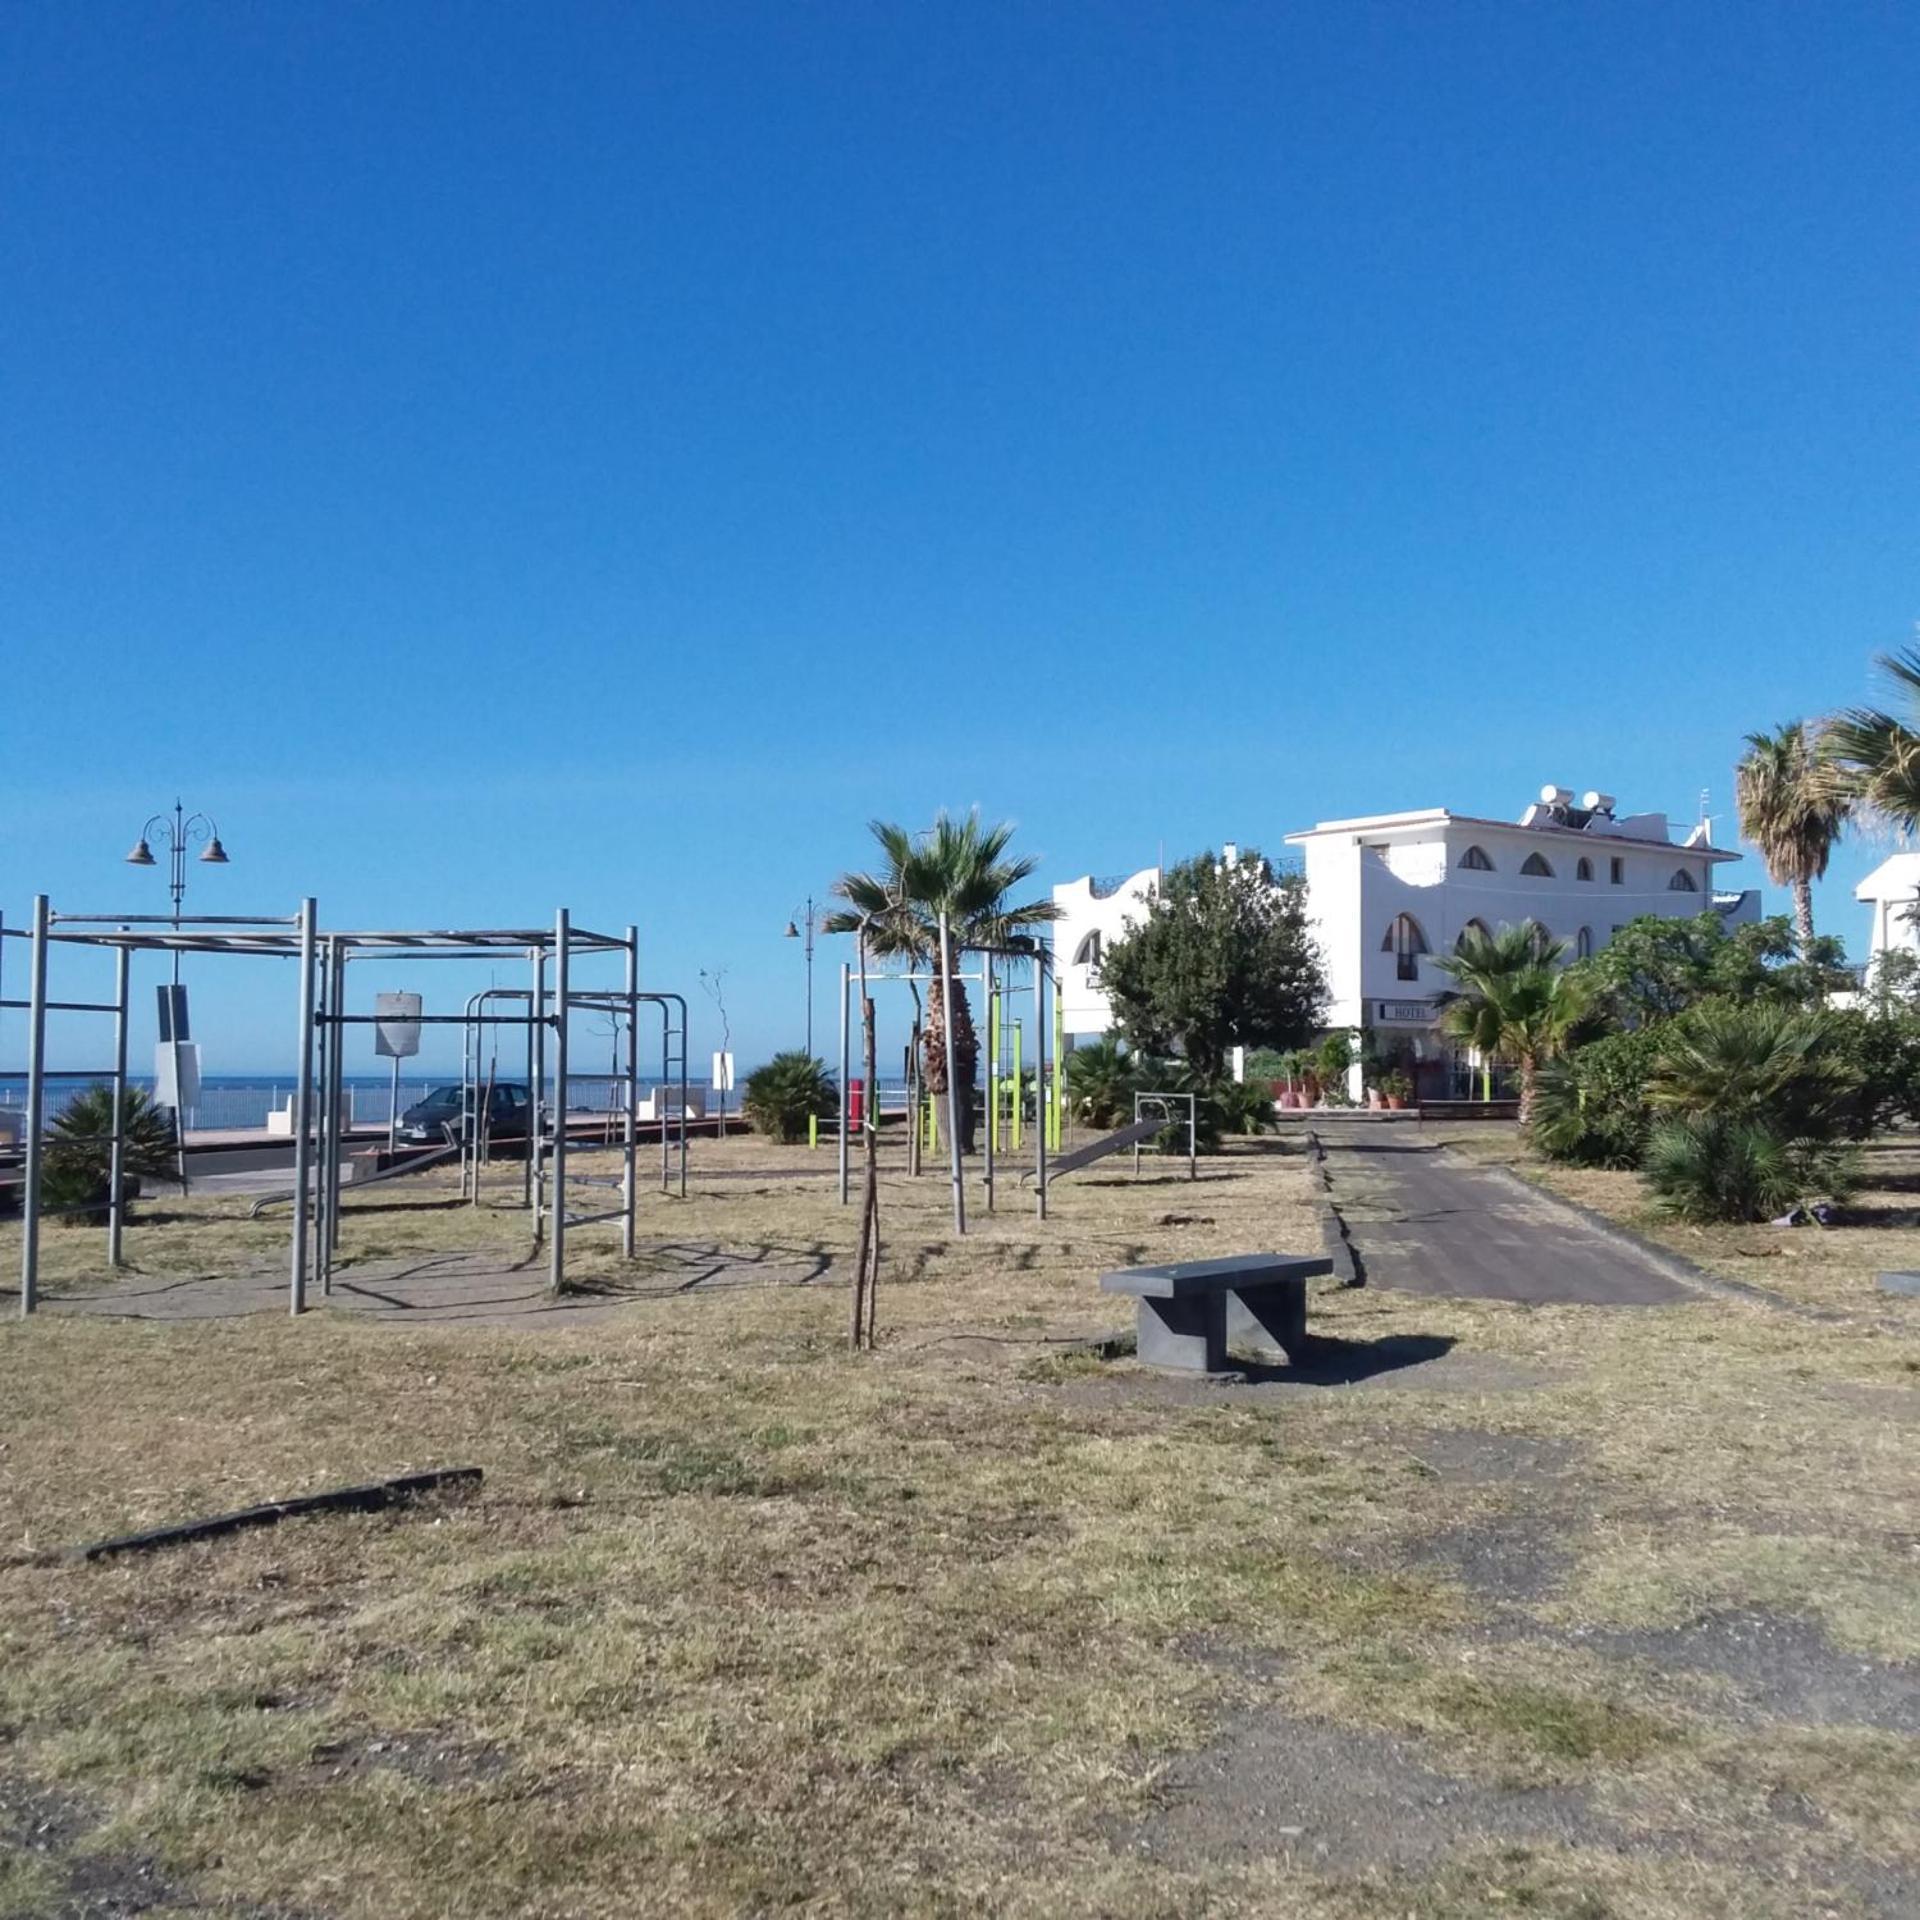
[(964, 1050), (1803, 916)]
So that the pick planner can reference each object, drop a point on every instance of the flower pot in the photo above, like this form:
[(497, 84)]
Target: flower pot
[(1396, 1103), (1376, 1100)]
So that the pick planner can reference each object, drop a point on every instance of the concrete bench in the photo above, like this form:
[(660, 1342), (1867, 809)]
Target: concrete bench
[(1187, 1311)]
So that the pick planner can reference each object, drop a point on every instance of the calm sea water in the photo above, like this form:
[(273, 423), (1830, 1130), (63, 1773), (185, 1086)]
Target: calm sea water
[(243, 1100)]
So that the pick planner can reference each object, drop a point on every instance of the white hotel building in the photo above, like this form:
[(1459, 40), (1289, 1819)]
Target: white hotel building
[(1390, 893)]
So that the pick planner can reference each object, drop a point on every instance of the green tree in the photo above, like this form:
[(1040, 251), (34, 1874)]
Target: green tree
[(1655, 968), (1223, 959), (1792, 810), (1874, 754), (1515, 1002), (780, 1096), (77, 1176), (961, 868)]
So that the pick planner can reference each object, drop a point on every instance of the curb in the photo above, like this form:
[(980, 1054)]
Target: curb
[(1333, 1227)]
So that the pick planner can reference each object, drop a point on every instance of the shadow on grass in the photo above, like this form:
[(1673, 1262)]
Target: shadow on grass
[(1322, 1360)]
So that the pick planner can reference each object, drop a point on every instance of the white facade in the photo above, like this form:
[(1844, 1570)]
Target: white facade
[(1390, 894), (1892, 890), (1093, 915)]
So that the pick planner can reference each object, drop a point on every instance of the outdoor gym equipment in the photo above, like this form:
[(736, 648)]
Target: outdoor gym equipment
[(323, 958)]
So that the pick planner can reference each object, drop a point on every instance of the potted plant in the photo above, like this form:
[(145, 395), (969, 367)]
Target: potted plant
[(1397, 1087)]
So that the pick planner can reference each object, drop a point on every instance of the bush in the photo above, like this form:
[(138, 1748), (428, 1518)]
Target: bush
[(781, 1095), (1719, 1166), (1747, 1060), (1591, 1106), (76, 1179), (1101, 1082), (1881, 1048), (1240, 1107)]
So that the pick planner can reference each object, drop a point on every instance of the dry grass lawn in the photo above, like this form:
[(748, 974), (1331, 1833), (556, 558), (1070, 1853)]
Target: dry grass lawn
[(1450, 1623)]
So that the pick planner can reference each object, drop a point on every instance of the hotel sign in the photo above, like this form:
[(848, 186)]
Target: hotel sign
[(1405, 1013)]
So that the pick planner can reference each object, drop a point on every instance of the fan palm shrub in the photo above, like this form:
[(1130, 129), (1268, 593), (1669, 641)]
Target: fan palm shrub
[(781, 1096), (1720, 1167), (1514, 1001), (76, 1178), (1792, 810), (1101, 1082), (961, 869), (1752, 1101), (1751, 1061)]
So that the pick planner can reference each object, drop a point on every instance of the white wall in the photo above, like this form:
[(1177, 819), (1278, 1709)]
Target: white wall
[(1084, 910)]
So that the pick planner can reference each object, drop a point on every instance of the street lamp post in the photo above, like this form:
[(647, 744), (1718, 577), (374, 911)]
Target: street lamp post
[(177, 832), (794, 933)]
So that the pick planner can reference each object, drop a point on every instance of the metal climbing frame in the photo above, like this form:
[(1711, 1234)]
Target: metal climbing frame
[(323, 958), (1044, 987)]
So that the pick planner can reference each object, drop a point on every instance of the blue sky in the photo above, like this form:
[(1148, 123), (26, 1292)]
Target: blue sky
[(493, 457)]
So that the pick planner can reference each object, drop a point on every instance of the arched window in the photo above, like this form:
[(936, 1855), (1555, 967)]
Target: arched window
[(1536, 865), (1475, 860), (1468, 931), (1583, 944), (1406, 943), (1584, 870), (1541, 938), (1087, 953), (1682, 882)]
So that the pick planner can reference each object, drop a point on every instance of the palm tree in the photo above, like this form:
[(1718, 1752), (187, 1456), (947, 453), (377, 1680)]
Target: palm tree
[(959, 868), (1874, 756), (1516, 1002), (1792, 811)]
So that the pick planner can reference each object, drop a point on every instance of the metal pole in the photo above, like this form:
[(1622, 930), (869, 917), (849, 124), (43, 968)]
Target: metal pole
[(683, 1097), (330, 1133), (631, 1195), (116, 1172), (557, 1259), (666, 1076), (393, 1108), (994, 1016), (36, 1109), (846, 1090), (537, 1092), (809, 976), (326, 1038), (302, 1157), (1040, 1014), (953, 1079)]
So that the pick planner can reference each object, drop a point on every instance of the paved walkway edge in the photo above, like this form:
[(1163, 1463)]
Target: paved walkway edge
[(1334, 1233)]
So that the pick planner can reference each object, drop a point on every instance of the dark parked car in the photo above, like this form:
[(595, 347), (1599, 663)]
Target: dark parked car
[(428, 1120)]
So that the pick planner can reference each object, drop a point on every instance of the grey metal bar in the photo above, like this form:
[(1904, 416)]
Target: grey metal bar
[(336, 1099), (846, 1099), (537, 1092), (302, 1149), (36, 1109), (630, 1197), (993, 1018), (66, 1006), (1042, 1025), (117, 1164), (557, 1267), (953, 1078)]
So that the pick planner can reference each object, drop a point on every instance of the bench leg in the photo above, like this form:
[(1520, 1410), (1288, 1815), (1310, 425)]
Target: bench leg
[(1266, 1318), (1188, 1334)]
